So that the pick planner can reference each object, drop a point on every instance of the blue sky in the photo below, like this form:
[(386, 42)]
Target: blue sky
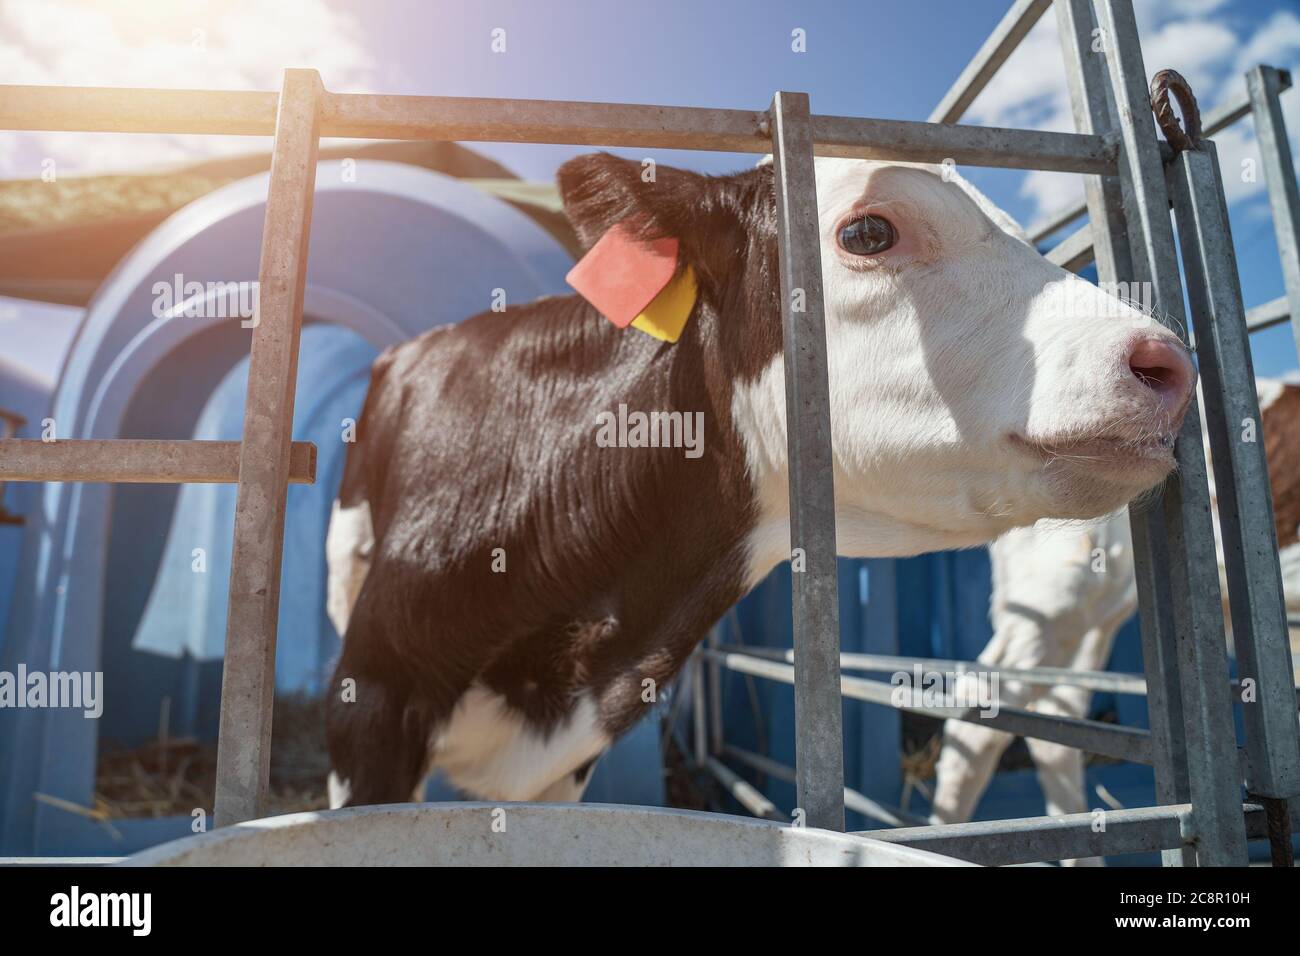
[(879, 58)]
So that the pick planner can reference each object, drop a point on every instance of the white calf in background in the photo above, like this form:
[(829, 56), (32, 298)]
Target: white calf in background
[(1053, 606)]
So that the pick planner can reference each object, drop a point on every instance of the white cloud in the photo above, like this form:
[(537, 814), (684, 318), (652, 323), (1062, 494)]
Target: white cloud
[(1051, 192), (1198, 49), (1276, 42), (1185, 8), (186, 44), (1030, 92), (1152, 13)]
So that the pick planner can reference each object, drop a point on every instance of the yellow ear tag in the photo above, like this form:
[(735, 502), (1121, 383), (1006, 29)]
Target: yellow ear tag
[(666, 315)]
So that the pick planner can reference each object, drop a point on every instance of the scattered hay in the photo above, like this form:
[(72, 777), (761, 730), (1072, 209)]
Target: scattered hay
[(173, 776)]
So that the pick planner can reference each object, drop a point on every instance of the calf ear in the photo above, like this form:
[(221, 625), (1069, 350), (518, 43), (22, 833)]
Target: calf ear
[(601, 191), (713, 217)]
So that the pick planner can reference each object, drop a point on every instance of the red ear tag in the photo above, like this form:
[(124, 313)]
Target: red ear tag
[(620, 275)]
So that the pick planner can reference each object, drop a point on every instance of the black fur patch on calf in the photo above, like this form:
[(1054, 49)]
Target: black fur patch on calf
[(482, 437)]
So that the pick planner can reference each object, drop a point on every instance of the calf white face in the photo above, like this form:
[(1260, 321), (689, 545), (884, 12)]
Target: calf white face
[(974, 385)]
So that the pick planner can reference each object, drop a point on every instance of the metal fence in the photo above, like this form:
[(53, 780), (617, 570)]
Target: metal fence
[(1130, 180), (1191, 744)]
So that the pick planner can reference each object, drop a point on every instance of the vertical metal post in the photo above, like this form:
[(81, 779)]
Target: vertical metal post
[(1085, 73), (819, 742), (715, 695), (1214, 779), (1094, 112), (248, 679), (1265, 85), (699, 721), (10, 422), (1245, 499)]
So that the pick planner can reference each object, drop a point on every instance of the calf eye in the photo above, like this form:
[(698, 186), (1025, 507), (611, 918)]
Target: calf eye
[(867, 236)]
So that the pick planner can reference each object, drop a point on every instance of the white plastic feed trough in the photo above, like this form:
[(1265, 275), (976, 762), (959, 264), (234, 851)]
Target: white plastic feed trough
[(525, 834)]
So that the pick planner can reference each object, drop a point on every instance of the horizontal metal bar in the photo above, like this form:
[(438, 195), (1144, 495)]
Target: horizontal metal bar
[(1109, 740), (1068, 837), (1055, 222), (1268, 315), (544, 121), (1001, 43), (1265, 316), (743, 791), (1105, 681), (853, 800), (617, 124), (130, 460), (1213, 122), (1228, 113), (95, 109), (903, 141), (1039, 839), (1074, 252)]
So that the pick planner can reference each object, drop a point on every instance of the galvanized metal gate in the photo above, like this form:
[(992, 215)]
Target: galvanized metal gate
[(1130, 182), (1191, 744)]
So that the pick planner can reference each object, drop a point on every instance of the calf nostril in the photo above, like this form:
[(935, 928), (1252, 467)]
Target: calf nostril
[(1162, 366)]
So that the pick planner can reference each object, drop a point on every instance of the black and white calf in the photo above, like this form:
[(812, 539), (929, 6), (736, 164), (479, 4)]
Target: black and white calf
[(974, 387)]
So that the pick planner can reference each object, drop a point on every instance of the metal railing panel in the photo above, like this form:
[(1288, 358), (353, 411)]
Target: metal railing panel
[(1215, 121), (1093, 105), (1105, 681), (1245, 501), (1195, 641), (468, 119), (1071, 836), (1108, 740), (1039, 839), (1264, 85), (1182, 641)]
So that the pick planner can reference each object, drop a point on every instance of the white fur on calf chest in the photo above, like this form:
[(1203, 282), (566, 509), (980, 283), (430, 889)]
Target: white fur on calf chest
[(488, 749), (349, 545)]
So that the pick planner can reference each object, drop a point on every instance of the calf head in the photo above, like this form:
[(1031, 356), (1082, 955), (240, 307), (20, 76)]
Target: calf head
[(974, 385)]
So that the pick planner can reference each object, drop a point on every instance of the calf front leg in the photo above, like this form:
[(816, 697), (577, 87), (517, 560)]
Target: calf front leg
[(1060, 768)]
